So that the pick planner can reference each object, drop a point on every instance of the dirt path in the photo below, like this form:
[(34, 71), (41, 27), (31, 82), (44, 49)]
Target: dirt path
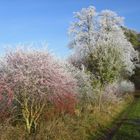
[(126, 120), (111, 132)]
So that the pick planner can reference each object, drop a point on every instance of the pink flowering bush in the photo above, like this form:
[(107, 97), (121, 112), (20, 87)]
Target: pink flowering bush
[(6, 97), (37, 79)]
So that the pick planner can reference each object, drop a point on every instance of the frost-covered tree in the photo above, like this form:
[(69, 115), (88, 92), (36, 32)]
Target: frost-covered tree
[(90, 30), (110, 32), (82, 32)]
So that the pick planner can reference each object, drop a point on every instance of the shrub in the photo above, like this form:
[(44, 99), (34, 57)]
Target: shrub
[(6, 98), (126, 87), (38, 79)]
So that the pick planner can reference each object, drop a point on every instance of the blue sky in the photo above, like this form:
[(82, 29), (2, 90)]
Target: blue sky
[(25, 21)]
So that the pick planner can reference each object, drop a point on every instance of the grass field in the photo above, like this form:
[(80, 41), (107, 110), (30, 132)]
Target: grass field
[(130, 130)]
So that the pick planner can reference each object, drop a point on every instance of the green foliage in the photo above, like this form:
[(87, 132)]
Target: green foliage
[(133, 37), (105, 64)]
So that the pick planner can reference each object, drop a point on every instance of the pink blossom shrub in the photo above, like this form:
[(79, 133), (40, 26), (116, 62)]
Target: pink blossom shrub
[(39, 74), (65, 103), (6, 98)]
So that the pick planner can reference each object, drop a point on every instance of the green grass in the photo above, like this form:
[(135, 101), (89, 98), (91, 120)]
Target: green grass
[(130, 130)]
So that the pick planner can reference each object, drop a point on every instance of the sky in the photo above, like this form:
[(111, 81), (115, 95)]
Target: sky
[(27, 21)]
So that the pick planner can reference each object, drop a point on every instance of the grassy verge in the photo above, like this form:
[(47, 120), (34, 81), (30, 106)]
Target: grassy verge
[(103, 132), (88, 123), (130, 130)]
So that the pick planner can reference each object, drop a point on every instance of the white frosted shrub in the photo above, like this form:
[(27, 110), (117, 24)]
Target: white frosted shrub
[(83, 81), (126, 87), (113, 92), (110, 93)]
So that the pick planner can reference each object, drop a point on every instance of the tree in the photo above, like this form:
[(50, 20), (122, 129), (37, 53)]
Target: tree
[(90, 30), (133, 37), (111, 32), (82, 31), (37, 79), (105, 63), (100, 45)]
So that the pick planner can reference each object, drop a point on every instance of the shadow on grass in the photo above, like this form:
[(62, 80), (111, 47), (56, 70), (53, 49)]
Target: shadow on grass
[(127, 126)]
